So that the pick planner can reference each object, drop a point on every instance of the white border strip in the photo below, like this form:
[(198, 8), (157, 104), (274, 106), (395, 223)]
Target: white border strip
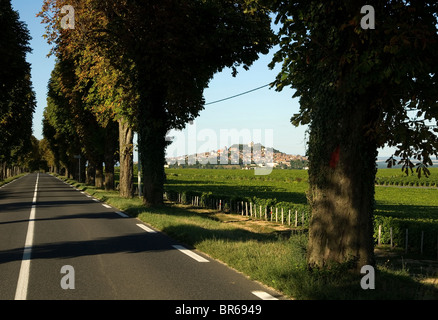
[(23, 278), (146, 228), (190, 253), (263, 295), (122, 214)]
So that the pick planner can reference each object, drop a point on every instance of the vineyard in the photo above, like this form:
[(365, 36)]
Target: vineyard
[(395, 177), (281, 198)]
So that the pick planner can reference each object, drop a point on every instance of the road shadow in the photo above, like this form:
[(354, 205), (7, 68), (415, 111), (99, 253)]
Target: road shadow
[(134, 243)]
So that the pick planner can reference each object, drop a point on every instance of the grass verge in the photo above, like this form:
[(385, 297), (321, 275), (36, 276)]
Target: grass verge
[(10, 179), (268, 254)]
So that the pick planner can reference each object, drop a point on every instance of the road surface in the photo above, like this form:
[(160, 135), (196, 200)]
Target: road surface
[(58, 243)]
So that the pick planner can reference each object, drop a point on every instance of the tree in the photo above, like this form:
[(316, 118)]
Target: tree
[(105, 89), (17, 99), (59, 127), (359, 89), (177, 47), (168, 51)]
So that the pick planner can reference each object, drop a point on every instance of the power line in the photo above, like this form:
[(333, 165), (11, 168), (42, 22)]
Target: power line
[(240, 94)]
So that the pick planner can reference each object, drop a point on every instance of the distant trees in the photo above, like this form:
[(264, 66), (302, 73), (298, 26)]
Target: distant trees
[(17, 99)]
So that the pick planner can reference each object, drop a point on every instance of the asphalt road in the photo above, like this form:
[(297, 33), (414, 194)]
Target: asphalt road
[(59, 243)]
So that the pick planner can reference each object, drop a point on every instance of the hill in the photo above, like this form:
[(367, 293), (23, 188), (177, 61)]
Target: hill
[(251, 154)]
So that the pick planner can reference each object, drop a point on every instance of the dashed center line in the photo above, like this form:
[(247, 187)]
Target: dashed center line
[(23, 278), (106, 206)]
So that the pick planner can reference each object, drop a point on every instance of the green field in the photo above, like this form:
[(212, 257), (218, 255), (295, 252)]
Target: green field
[(264, 252), (399, 207)]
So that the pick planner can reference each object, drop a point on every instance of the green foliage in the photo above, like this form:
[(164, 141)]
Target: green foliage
[(17, 99), (160, 57), (332, 62)]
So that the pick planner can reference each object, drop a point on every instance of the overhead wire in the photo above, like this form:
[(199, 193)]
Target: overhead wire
[(238, 95)]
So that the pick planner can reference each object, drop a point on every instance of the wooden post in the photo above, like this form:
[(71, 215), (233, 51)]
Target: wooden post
[(296, 218), (271, 214), (380, 234), (288, 219), (260, 212), (266, 213), (276, 214), (246, 208), (242, 207), (282, 216), (250, 209), (390, 233)]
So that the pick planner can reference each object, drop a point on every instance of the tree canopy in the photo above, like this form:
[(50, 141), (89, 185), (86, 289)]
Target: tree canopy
[(17, 99), (359, 90), (166, 53)]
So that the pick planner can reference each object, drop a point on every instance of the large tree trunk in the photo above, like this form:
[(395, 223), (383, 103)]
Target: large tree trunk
[(341, 174), (99, 180), (126, 135), (109, 173), (111, 135), (152, 146), (91, 172)]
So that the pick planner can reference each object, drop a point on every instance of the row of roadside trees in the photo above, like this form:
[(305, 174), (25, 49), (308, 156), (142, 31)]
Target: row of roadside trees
[(362, 86), (138, 66), (17, 99)]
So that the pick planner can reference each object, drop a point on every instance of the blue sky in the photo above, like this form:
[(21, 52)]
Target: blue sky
[(262, 114)]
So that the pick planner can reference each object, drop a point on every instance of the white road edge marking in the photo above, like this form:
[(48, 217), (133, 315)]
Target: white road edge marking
[(23, 278), (190, 253), (106, 206), (122, 214), (146, 228), (263, 295)]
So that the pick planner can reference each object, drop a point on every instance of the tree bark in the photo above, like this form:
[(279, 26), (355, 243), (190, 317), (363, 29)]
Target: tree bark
[(126, 149), (341, 175), (109, 174), (91, 172), (99, 181), (111, 135), (152, 145)]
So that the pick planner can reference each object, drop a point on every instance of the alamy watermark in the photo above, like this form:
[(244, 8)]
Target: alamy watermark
[(368, 280), (68, 281), (68, 21), (368, 21)]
